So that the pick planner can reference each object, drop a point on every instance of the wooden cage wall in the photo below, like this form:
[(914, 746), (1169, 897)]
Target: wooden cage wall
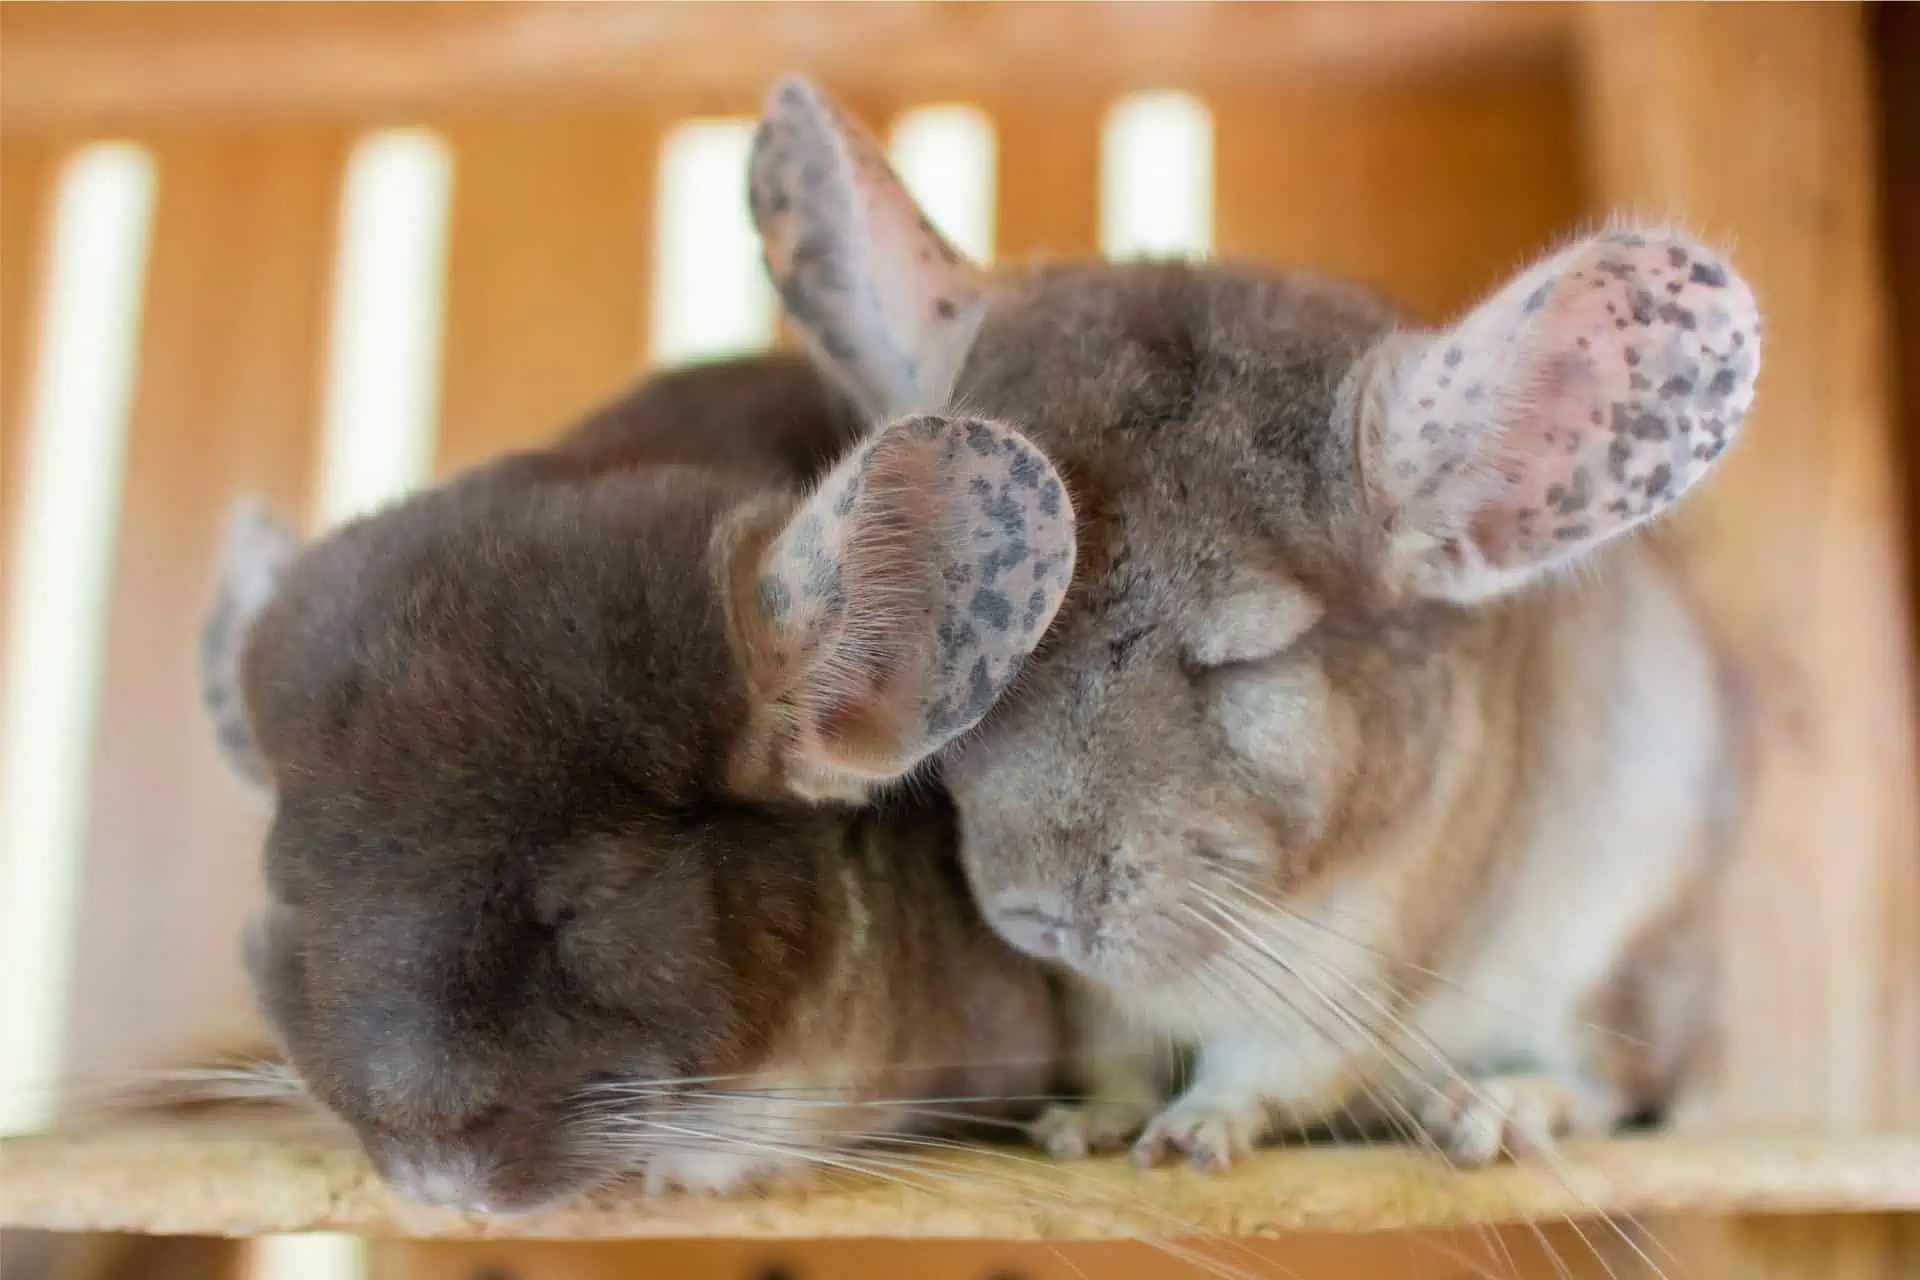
[(1426, 148)]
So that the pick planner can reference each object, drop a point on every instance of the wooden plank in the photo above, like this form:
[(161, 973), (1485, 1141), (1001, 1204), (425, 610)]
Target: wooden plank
[(546, 275), (1433, 192), (1797, 550), (1049, 176), (226, 400), (1897, 49), (29, 167), (258, 1176), (146, 60), (1508, 1253)]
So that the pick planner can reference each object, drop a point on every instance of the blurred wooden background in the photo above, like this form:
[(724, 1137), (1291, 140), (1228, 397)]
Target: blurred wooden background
[(1427, 148)]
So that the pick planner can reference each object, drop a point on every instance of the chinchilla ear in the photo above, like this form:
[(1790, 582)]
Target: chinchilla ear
[(258, 549), (884, 616), (1577, 403), (888, 307)]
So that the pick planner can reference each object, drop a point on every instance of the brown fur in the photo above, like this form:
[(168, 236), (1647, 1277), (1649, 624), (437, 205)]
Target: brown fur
[(1326, 756), (509, 867)]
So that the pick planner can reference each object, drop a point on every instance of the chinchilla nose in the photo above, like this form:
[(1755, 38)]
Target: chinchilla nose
[(1039, 924)]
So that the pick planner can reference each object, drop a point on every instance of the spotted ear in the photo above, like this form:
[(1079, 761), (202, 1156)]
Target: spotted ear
[(256, 555), (888, 306), (884, 616), (1578, 402)]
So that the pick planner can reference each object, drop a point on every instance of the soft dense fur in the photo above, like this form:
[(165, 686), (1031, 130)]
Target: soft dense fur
[(1327, 768), (530, 929)]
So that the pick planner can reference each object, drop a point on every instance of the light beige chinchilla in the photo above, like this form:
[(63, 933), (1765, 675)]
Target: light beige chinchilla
[(1367, 759)]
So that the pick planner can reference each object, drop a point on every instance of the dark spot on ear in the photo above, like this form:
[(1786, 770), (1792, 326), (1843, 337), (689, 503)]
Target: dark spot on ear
[(775, 598), (944, 308), (991, 608), (1650, 426), (1658, 480), (1050, 497), (1024, 469), (1584, 343), (1632, 356), (1538, 298), (1638, 381), (1676, 256), (1707, 273), (1643, 311), (1722, 385), (1619, 453), (1430, 431), (1678, 385), (1454, 356), (980, 440), (1571, 532), (1579, 492)]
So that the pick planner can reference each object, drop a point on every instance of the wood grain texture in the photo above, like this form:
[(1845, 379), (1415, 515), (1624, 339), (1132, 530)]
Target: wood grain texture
[(29, 168), (1048, 203), (1433, 192), (546, 276), (234, 1179), (1508, 1253), (1897, 50), (1797, 552), (149, 61), (226, 400)]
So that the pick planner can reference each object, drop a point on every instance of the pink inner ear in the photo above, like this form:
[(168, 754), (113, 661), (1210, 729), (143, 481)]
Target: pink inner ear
[(885, 300), (1581, 400)]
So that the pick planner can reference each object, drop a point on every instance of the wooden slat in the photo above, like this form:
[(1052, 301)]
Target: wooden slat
[(1798, 554), (1897, 45), (1049, 176), (546, 276), (147, 60), (226, 400), (1434, 192), (257, 1176), (1513, 1253), (29, 167)]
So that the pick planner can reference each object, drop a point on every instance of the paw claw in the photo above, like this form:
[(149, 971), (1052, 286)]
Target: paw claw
[(1210, 1138), (1075, 1133), (1478, 1122)]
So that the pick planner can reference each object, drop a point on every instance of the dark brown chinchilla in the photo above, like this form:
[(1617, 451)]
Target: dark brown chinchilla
[(538, 921), (1367, 758)]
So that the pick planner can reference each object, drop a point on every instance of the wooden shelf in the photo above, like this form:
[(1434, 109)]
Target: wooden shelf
[(233, 1179), (147, 62)]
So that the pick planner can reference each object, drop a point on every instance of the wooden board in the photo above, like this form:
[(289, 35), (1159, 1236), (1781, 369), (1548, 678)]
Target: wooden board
[(147, 61), (1048, 183), (226, 400), (546, 276), (239, 1179), (1798, 552), (29, 169), (1558, 1252), (1433, 192)]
